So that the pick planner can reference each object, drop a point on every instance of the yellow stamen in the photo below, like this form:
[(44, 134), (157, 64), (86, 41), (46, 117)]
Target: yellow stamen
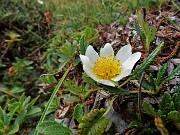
[(107, 67)]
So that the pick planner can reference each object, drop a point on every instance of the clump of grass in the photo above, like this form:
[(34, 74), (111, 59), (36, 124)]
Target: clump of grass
[(78, 14)]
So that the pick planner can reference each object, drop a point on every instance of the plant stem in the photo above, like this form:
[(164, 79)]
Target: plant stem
[(143, 91), (8, 93), (110, 106), (51, 99), (139, 98), (124, 82)]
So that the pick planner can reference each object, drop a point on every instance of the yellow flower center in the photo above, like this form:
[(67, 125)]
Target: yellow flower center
[(107, 67)]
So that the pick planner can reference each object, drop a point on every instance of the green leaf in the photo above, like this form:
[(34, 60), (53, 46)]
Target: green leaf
[(71, 99), (152, 81), (33, 111), (32, 102), (148, 32), (1, 124), (78, 111), (83, 45), (14, 129), (135, 124), (175, 116), (4, 117), (50, 79), (165, 104), (161, 74), (147, 86), (142, 67), (115, 90), (138, 30), (12, 114), (176, 100), (53, 128), (26, 101), (94, 123), (174, 73), (19, 120), (148, 109)]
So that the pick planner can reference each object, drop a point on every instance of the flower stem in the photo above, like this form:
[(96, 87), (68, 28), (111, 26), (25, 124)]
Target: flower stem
[(51, 99), (124, 82), (110, 106), (143, 91)]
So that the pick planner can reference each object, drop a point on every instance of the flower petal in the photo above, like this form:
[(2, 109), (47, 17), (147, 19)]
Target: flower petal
[(88, 67), (124, 73), (92, 54), (124, 53), (86, 61), (90, 73), (130, 62), (107, 50), (106, 82)]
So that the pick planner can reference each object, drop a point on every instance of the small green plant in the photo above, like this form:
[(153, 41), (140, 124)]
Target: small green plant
[(58, 55), (86, 37), (146, 31), (168, 109), (15, 112), (16, 77), (155, 84), (94, 123), (53, 128)]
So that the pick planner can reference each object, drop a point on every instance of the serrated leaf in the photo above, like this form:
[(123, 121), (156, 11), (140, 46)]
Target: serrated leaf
[(165, 103), (176, 100), (138, 30), (175, 116), (161, 74), (94, 123), (174, 73), (148, 109), (152, 81), (53, 128), (115, 90), (147, 86), (142, 67), (83, 45), (78, 111)]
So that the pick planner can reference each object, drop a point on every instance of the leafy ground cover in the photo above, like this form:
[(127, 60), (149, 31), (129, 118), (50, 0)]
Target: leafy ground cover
[(44, 90)]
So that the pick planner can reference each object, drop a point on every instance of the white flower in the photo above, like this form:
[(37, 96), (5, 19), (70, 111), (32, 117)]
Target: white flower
[(40, 2), (108, 68)]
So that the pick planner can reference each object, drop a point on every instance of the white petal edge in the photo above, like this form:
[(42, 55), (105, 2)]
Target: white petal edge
[(130, 62), (107, 50), (91, 54), (124, 53), (90, 73), (125, 72), (86, 61), (88, 67), (106, 82)]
